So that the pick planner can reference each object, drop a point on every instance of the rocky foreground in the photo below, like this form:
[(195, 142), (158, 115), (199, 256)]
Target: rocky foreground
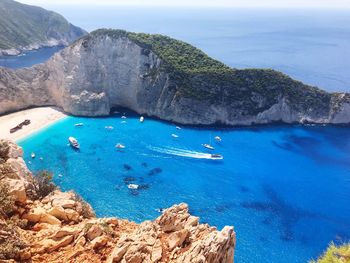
[(61, 227)]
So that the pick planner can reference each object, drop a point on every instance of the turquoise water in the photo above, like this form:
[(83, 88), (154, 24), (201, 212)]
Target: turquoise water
[(286, 189)]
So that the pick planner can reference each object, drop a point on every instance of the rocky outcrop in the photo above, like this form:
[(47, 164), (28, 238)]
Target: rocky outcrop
[(61, 228), (25, 27), (109, 69)]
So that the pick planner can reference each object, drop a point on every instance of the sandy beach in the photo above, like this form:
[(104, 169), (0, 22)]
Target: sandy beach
[(39, 117)]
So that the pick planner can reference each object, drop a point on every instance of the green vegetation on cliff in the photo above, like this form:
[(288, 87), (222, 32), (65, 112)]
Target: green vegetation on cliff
[(23, 25), (200, 77)]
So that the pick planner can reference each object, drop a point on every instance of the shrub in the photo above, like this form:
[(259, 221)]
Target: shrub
[(87, 210), (335, 254), (7, 202), (43, 185), (4, 151), (10, 242)]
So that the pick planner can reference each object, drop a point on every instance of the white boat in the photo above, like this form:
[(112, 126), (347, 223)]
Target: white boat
[(109, 127), (177, 127), (119, 146), (216, 156), (123, 122), (73, 142), (217, 138), (142, 119), (175, 136), (208, 146), (32, 155), (123, 117), (79, 124), (133, 186)]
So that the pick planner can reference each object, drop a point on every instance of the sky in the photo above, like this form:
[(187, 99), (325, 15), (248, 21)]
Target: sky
[(202, 3)]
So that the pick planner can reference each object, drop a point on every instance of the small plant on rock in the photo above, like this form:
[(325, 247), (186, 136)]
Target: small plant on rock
[(87, 210), (43, 185), (7, 202)]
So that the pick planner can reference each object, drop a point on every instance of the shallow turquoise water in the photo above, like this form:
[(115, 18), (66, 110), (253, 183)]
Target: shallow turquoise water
[(286, 189)]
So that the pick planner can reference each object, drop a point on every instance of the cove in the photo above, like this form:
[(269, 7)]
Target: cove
[(285, 189)]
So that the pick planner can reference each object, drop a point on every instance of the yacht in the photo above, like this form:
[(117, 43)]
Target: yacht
[(208, 146), (175, 136), (119, 146), (79, 124), (216, 156), (133, 186), (32, 155), (73, 142), (217, 138), (142, 119)]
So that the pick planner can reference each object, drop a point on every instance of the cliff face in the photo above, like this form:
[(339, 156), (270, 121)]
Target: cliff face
[(114, 68), (60, 227), (24, 27)]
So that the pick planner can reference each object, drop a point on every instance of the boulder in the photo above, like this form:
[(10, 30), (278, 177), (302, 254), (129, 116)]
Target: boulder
[(99, 242), (177, 238), (17, 190), (93, 232)]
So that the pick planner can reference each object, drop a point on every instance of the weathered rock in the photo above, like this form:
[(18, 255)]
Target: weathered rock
[(93, 232), (177, 238), (17, 190), (99, 242)]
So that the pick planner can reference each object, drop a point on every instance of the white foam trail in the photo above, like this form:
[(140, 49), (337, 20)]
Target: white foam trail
[(181, 152)]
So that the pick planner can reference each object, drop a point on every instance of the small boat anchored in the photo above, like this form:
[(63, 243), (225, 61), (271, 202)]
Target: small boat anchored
[(119, 146), (174, 135), (79, 124), (142, 119), (109, 127), (208, 146), (32, 155), (73, 142), (133, 186), (217, 138)]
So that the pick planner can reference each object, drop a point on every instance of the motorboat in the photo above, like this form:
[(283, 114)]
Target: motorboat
[(123, 117), (217, 138), (216, 156), (32, 155), (133, 186), (177, 127), (109, 127), (119, 146), (79, 124), (208, 146), (73, 142), (142, 119), (175, 135)]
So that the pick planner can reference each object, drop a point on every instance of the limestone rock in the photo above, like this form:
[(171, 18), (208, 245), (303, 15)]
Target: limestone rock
[(93, 232), (177, 238)]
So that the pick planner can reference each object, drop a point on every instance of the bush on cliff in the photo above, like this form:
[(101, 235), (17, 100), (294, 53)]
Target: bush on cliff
[(335, 254), (11, 242), (4, 151), (43, 185), (7, 203)]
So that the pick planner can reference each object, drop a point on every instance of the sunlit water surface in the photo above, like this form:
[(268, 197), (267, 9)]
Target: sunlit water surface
[(286, 189)]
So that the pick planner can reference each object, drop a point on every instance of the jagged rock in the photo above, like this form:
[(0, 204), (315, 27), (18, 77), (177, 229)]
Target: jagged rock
[(175, 218), (58, 212), (99, 242), (17, 190), (177, 238), (50, 245), (93, 232), (39, 214)]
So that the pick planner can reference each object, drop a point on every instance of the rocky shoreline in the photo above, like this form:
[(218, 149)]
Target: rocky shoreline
[(61, 227)]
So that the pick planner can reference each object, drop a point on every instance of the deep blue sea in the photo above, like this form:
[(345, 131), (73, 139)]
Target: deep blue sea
[(286, 189)]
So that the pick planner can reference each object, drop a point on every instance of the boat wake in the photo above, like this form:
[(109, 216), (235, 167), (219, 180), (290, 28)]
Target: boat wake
[(182, 152)]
